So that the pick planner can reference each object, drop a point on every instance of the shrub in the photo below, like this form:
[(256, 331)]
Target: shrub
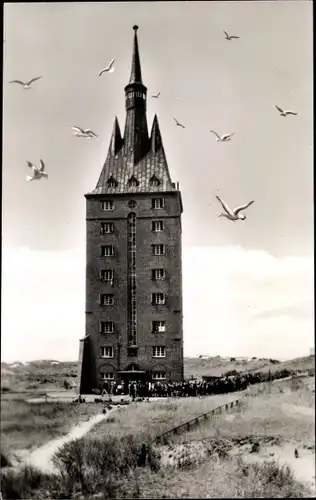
[(16, 484), (5, 462)]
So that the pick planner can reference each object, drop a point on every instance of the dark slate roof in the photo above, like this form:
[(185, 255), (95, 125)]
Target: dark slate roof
[(121, 167)]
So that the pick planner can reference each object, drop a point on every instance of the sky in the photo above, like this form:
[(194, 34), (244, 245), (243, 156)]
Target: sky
[(247, 286)]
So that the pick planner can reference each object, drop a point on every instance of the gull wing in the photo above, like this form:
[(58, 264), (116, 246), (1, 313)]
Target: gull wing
[(78, 129), (290, 113), (176, 121), (42, 167), (90, 132), (31, 165), (34, 80), (242, 207), (213, 131), (227, 136), (226, 34), (225, 207), (279, 109), (17, 81), (235, 36), (111, 64)]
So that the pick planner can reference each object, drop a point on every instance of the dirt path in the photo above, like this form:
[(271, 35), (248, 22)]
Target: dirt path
[(42, 456)]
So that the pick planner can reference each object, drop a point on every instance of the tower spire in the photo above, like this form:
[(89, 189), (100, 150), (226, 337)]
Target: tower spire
[(136, 73)]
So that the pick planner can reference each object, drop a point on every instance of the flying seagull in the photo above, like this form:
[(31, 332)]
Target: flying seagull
[(156, 96), (223, 138), (26, 85), (38, 173), (233, 214), (108, 69), (285, 113), (178, 124), (81, 132), (227, 37)]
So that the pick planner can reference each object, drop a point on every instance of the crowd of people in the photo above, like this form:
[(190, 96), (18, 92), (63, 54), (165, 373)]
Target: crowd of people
[(186, 388)]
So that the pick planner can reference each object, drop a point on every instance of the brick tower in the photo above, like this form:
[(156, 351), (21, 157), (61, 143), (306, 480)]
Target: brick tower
[(133, 259)]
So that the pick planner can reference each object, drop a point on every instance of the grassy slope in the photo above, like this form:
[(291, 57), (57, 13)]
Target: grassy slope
[(264, 415), (25, 425)]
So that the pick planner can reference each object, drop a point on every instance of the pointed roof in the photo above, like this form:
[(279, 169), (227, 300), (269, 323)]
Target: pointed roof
[(116, 138), (155, 136), (122, 168), (136, 73)]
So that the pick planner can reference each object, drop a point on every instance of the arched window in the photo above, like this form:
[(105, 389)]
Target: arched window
[(154, 181), (133, 182), (132, 204)]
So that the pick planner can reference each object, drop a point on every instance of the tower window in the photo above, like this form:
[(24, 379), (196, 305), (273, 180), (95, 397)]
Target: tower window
[(158, 326), (132, 204), (159, 352), (158, 274), (158, 249), (133, 182), (158, 203), (157, 225), (107, 251), (106, 352), (159, 375), (106, 227), (106, 299), (106, 376), (158, 298), (154, 181), (107, 205), (132, 352), (107, 275), (106, 327)]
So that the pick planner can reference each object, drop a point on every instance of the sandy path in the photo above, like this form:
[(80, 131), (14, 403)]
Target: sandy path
[(42, 456), (302, 467), (302, 410)]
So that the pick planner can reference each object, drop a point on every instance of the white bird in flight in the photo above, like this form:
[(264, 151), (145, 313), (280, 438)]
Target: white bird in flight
[(108, 69), (155, 96), (285, 113), (81, 132), (178, 124), (223, 138), (38, 173), (26, 85), (233, 214), (227, 37)]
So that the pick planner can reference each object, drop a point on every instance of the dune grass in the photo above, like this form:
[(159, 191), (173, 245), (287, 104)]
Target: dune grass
[(269, 414), (109, 459), (111, 468), (156, 417), (218, 478), (27, 425)]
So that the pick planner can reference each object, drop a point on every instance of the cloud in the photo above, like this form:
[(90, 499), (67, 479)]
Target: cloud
[(236, 302), (227, 288)]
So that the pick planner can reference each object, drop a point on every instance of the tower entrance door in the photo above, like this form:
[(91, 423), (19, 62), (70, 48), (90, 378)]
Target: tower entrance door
[(133, 374)]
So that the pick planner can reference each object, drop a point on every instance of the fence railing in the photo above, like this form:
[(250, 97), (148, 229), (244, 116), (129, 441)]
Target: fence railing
[(189, 424)]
